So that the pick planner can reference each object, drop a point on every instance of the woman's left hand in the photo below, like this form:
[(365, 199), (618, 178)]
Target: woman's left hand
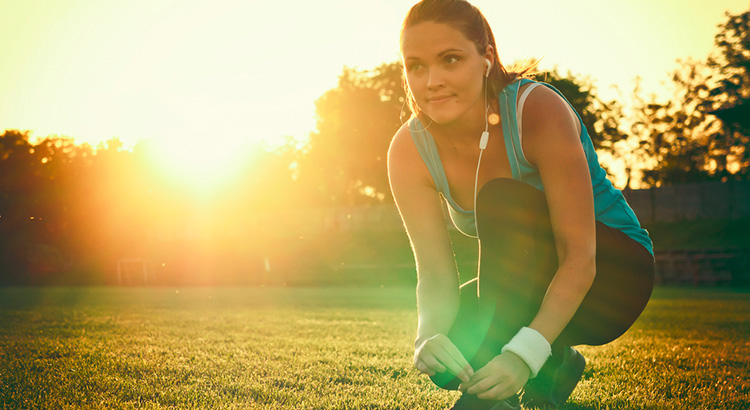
[(501, 378)]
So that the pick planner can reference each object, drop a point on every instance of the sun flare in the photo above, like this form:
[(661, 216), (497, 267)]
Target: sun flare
[(203, 167)]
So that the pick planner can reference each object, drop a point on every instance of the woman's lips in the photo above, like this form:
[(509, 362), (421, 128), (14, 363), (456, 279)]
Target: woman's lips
[(439, 99)]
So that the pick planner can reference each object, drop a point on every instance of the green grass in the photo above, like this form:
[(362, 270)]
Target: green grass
[(328, 348)]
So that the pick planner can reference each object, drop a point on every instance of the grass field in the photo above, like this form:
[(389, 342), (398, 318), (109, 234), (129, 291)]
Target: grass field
[(328, 348)]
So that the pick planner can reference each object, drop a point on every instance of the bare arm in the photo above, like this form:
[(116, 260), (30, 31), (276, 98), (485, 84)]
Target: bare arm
[(551, 137), (420, 208), (551, 143), (437, 277)]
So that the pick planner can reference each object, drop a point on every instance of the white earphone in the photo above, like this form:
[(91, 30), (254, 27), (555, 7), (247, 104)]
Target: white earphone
[(483, 140), (485, 134)]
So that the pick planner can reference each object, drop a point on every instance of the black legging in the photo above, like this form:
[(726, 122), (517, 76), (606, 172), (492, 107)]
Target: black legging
[(517, 262)]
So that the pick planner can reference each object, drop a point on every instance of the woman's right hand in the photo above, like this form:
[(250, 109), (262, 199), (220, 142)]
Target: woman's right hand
[(438, 354)]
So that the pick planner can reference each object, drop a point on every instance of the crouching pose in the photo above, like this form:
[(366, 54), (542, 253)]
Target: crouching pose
[(563, 259)]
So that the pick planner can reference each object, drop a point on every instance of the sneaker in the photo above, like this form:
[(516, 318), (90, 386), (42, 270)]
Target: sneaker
[(472, 402), (554, 387)]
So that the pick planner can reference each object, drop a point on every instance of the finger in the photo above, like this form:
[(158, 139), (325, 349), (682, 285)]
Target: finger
[(479, 376), (453, 350), (465, 374), (459, 358), (433, 364), (497, 392), (437, 358), (423, 368), (453, 366), (447, 354), (482, 386), (453, 359)]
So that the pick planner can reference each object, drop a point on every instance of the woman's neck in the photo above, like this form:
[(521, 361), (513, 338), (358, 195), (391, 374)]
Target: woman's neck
[(462, 132)]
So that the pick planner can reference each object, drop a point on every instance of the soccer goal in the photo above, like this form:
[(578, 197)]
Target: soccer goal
[(134, 271)]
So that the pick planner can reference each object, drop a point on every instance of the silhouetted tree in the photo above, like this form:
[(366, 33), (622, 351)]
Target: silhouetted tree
[(36, 181), (345, 158), (676, 135), (733, 59), (733, 88), (601, 118), (685, 143)]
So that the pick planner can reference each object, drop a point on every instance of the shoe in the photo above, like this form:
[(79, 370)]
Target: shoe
[(472, 402), (552, 388)]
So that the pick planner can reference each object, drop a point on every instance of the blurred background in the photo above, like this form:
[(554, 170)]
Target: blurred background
[(244, 143)]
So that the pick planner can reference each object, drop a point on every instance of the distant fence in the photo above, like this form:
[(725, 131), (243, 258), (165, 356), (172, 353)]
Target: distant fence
[(703, 267), (703, 200), (706, 200), (700, 200)]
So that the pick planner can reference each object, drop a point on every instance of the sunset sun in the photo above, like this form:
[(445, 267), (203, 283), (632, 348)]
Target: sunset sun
[(200, 165)]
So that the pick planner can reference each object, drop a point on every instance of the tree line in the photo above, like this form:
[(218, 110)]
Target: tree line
[(657, 143), (67, 207)]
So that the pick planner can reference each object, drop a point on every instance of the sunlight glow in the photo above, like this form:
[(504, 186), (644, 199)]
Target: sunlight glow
[(202, 167), (244, 70)]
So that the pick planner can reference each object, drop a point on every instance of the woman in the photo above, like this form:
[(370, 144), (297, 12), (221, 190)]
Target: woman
[(563, 260)]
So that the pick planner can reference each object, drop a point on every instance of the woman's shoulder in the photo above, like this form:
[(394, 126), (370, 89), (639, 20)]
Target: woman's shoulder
[(401, 144), (403, 157), (545, 108), (547, 118), (402, 151), (542, 97)]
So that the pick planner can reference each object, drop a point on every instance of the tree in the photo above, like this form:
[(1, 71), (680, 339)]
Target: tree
[(676, 135), (36, 181), (685, 142), (733, 60), (345, 160), (601, 118), (733, 88)]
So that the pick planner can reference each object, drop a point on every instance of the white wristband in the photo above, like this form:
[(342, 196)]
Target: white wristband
[(531, 347)]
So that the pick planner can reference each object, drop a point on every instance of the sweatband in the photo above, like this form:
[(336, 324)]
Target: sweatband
[(531, 347)]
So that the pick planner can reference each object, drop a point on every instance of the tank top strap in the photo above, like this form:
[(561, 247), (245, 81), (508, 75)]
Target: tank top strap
[(428, 151), (519, 109), (511, 130)]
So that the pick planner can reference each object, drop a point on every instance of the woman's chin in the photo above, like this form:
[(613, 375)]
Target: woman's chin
[(441, 118)]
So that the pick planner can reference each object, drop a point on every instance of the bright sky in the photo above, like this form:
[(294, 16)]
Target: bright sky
[(192, 73)]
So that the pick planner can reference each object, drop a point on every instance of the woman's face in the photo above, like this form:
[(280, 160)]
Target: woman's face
[(444, 71)]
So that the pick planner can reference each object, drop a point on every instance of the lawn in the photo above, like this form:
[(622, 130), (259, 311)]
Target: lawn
[(328, 348)]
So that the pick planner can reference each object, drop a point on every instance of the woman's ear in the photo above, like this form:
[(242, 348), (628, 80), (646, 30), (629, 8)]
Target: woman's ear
[(489, 54)]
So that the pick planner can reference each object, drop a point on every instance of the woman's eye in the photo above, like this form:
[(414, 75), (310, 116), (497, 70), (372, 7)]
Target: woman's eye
[(413, 67), (451, 59)]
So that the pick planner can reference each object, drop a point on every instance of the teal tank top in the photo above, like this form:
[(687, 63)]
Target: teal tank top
[(610, 206)]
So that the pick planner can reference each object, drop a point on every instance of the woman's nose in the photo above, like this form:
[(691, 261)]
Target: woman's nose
[(434, 79)]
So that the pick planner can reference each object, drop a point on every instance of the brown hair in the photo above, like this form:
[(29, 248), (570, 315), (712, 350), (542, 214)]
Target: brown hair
[(464, 17)]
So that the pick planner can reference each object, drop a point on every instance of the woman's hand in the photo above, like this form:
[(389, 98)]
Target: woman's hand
[(501, 378), (438, 354)]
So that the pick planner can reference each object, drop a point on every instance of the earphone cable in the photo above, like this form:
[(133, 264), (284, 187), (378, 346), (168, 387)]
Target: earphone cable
[(482, 146)]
